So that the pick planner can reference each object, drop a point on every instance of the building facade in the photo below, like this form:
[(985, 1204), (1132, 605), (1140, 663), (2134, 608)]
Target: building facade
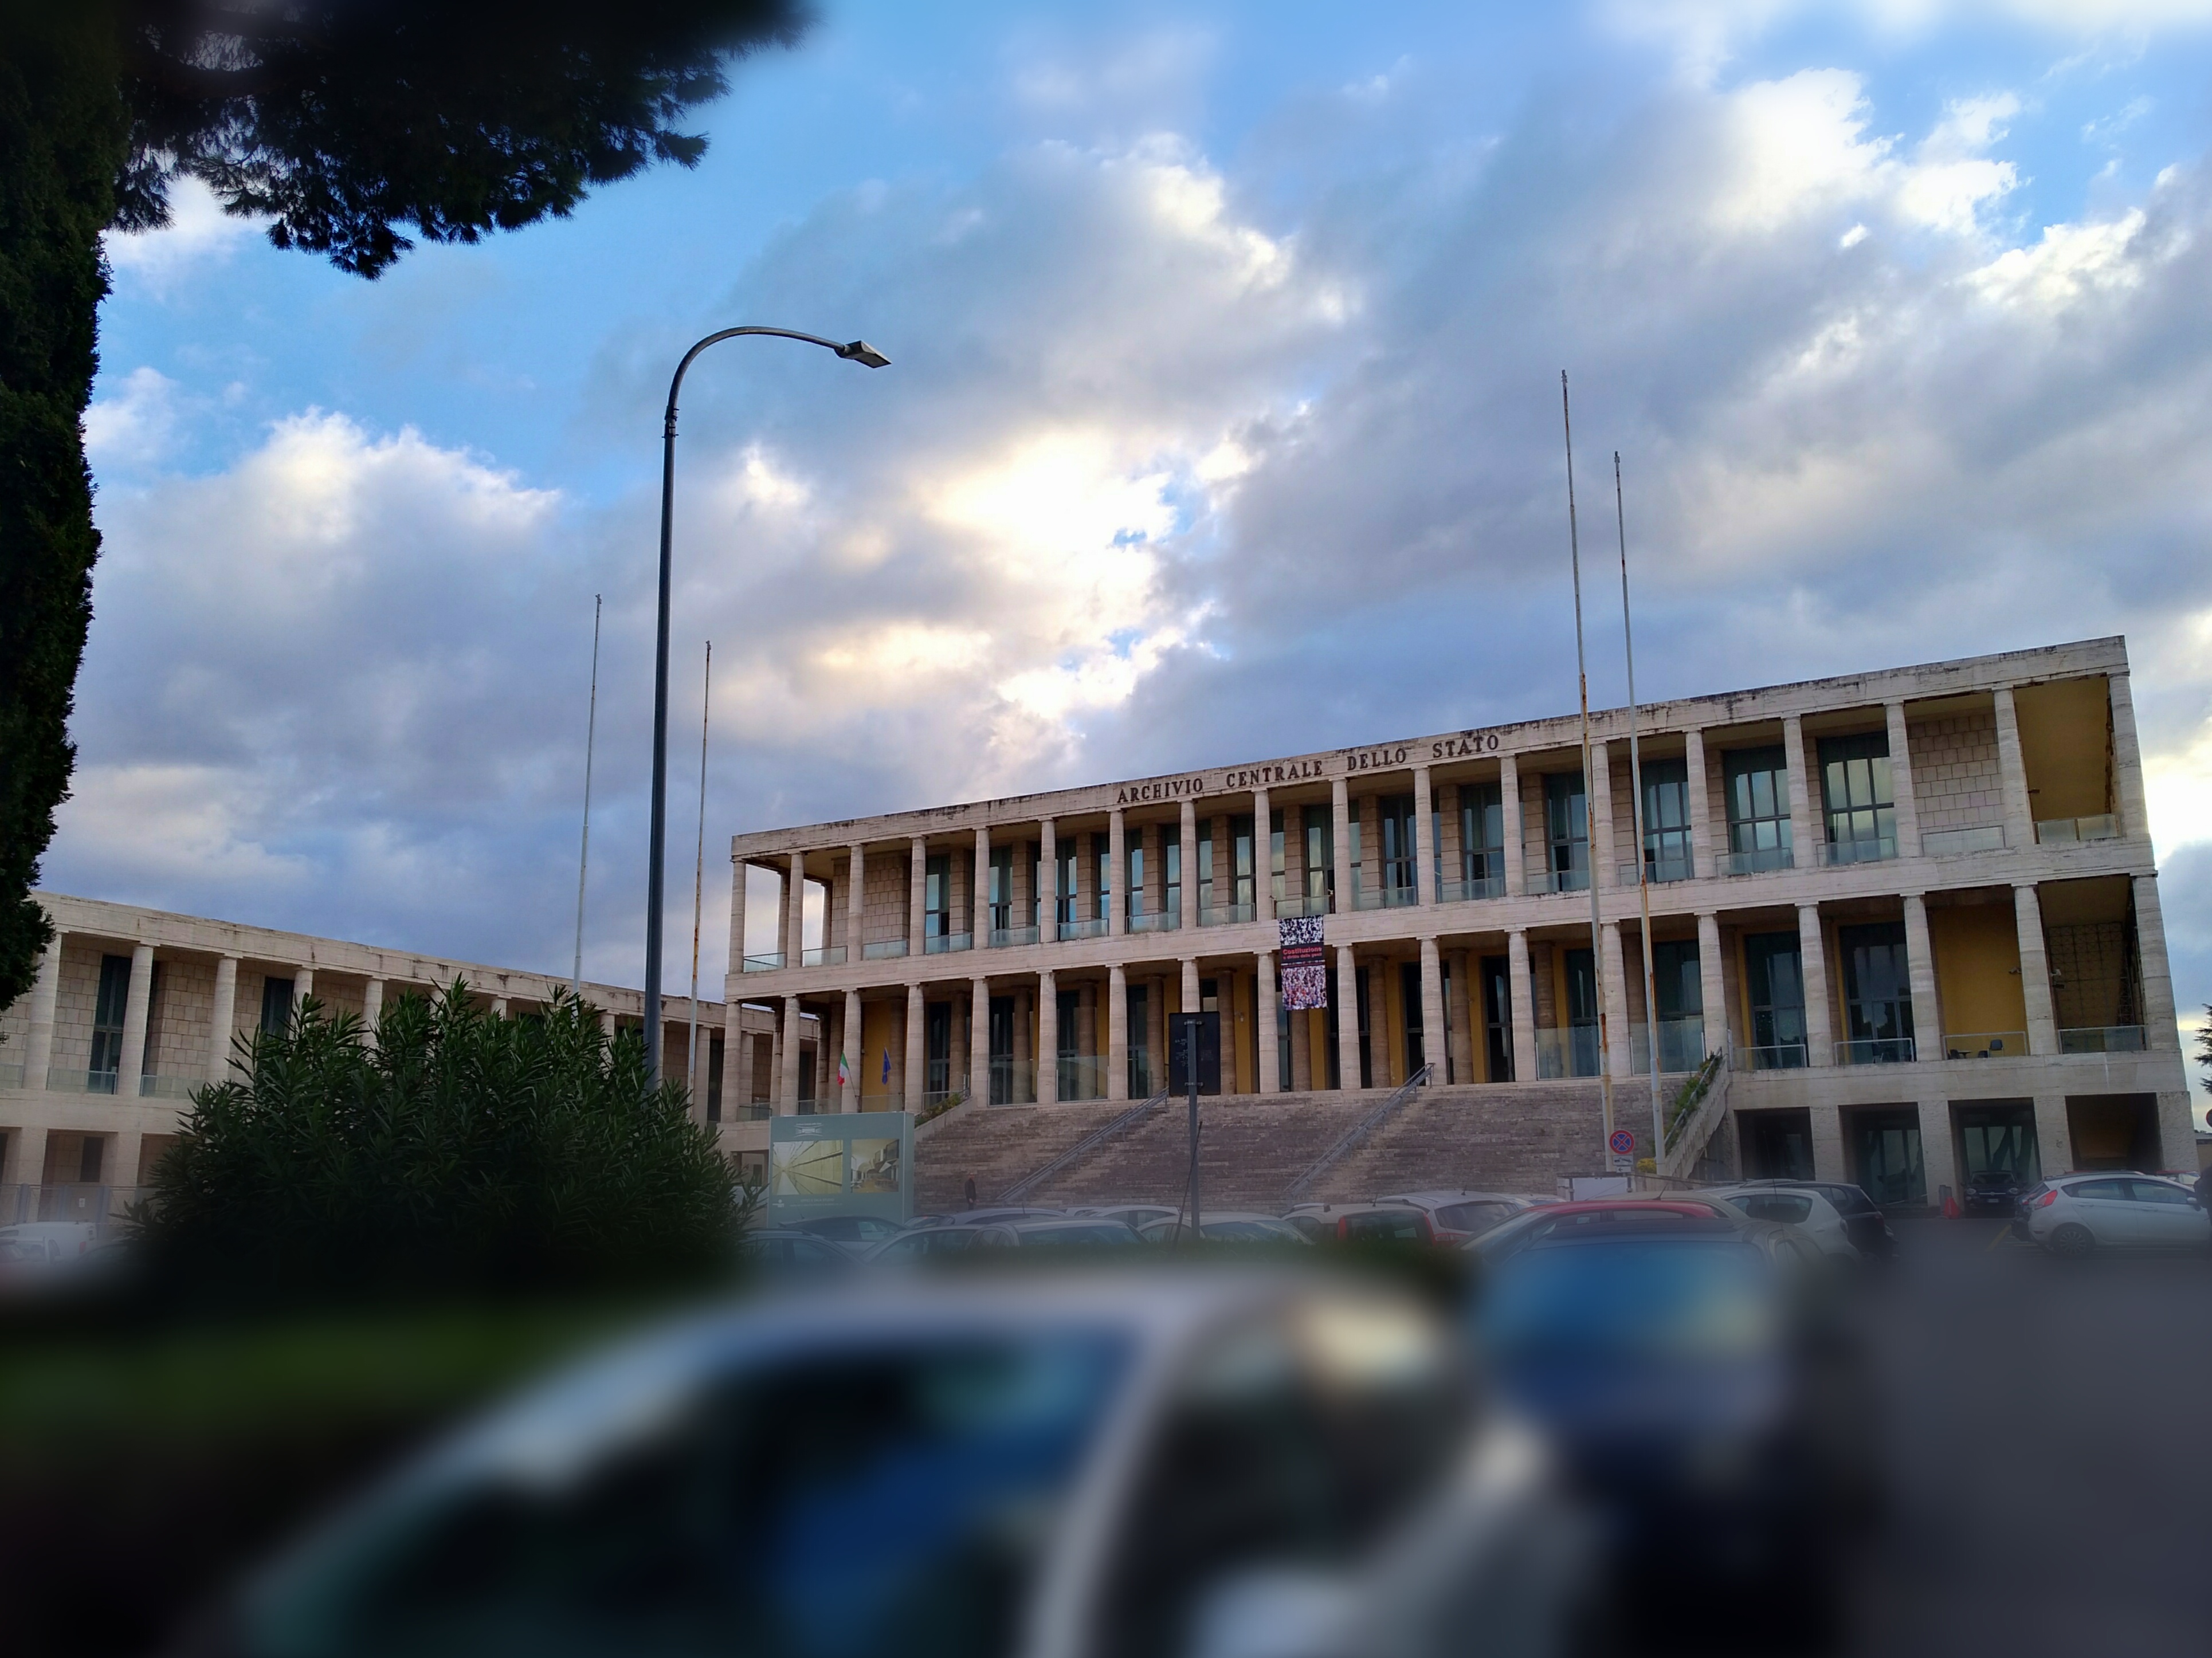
[(1915, 911), (134, 1008)]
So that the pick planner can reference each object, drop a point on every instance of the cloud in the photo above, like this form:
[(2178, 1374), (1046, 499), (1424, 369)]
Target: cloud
[(136, 427), (199, 233)]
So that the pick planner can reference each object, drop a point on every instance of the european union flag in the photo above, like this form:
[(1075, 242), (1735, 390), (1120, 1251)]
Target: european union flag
[(887, 1064)]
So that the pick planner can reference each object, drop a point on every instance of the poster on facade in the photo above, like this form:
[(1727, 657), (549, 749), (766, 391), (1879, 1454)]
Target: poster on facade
[(1304, 962), (856, 1164)]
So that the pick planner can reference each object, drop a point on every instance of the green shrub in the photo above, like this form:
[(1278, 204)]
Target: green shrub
[(461, 1152)]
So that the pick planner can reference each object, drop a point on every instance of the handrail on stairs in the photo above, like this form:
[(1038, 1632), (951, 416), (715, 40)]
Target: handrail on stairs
[(1356, 1136), (1084, 1147)]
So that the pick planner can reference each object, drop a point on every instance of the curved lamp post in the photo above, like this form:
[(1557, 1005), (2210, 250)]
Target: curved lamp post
[(857, 351)]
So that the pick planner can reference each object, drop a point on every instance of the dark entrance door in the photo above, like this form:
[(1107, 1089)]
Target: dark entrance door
[(1777, 1145), (1498, 1017), (2000, 1136), (1409, 998), (1885, 1155), (1002, 1050), (936, 1039)]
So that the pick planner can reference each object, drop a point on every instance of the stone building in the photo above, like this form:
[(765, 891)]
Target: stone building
[(1914, 910)]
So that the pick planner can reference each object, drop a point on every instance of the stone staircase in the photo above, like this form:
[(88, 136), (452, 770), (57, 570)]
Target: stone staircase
[(1504, 1137)]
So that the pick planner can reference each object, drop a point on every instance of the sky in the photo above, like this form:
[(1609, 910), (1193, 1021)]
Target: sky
[(1222, 421)]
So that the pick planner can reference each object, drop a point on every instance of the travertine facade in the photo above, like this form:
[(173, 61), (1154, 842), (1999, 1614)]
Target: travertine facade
[(1915, 911)]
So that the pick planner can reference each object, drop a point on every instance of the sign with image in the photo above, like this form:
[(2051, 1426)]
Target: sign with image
[(861, 1163), (1304, 960)]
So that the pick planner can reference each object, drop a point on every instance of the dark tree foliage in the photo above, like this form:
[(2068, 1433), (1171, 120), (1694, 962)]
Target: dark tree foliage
[(462, 1152), (352, 126)]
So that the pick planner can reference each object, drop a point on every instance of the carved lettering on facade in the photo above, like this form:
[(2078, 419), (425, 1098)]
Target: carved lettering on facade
[(1160, 788), (1461, 748), (1260, 777), (1377, 759)]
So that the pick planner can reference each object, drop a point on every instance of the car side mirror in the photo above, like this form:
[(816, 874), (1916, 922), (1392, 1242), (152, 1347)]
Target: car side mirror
[(1274, 1613)]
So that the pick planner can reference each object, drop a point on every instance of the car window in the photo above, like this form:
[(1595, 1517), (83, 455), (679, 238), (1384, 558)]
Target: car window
[(1792, 1208), (2101, 1191), (1476, 1216), (813, 1251), (1066, 1237), (2157, 1190), (906, 1249), (1392, 1225)]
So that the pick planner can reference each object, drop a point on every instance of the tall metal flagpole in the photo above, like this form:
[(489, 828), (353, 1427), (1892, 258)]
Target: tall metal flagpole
[(1581, 674), (1636, 805), (699, 875), (584, 857)]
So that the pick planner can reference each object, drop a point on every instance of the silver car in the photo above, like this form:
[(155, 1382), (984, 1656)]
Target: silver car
[(1196, 1463), (2077, 1213)]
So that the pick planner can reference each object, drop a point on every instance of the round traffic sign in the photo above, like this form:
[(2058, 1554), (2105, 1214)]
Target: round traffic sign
[(1623, 1142)]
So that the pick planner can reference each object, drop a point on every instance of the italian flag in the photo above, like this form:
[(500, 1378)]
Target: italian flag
[(844, 1071)]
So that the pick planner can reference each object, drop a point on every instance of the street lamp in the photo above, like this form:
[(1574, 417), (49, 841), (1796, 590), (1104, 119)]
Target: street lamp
[(857, 351)]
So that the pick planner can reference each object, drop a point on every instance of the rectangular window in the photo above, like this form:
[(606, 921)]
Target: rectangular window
[(714, 1078), (936, 896), (1676, 983), (1409, 999), (276, 1005), (1275, 868), (1102, 872), (1001, 1052), (1206, 866), (1498, 1016), (1395, 813), (1776, 985), (1667, 820), (1877, 992), (1171, 865), (1063, 906), (1758, 782), (1001, 897), (1566, 829), (1360, 980), (1319, 826), (937, 1049), (108, 1021), (1582, 1013), (1482, 838), (1037, 885), (1855, 788), (1141, 1043), (1136, 874), (1242, 869)]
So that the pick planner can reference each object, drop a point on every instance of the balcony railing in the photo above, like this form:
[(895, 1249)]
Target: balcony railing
[(1875, 1050), (71, 1079), (1159, 920), (1010, 937), (1290, 909), (2065, 831), (756, 1111), (881, 1099), (1093, 928), (1675, 866), (823, 956), (101, 1206), (1462, 892), (1681, 1046), (1984, 1044), (1760, 860), (766, 962), (11, 1076), (1569, 1053), (1542, 877), (883, 949), (947, 944), (1871, 849), (1958, 843), (1385, 897), (168, 1088), (2103, 1039), (1224, 914), (1777, 1056)]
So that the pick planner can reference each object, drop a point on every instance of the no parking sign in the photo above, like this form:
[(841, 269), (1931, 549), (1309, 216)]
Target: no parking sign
[(1622, 1144)]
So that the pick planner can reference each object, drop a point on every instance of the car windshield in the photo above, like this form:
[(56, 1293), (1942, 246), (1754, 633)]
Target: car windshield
[(1794, 1208), (1476, 1216), (1688, 1297), (1252, 1232), (828, 1505)]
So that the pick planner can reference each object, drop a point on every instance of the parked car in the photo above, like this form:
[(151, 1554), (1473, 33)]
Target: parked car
[(1372, 1222), (854, 1233), (924, 1243), (1260, 1465), (1233, 1226), (785, 1248), (1991, 1192), (1590, 1214), (2077, 1213), (1139, 1215), (1805, 1206), (1456, 1217), (1059, 1232), (1863, 1220), (48, 1242)]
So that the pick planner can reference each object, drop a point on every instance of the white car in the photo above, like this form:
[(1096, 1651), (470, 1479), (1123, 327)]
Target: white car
[(1139, 1215), (2076, 1213), (1793, 1205), (1231, 1226)]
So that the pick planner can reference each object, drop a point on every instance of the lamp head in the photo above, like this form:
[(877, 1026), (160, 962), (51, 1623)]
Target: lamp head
[(861, 352)]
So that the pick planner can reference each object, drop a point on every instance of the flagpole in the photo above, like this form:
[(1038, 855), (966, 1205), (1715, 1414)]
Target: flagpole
[(699, 875), (584, 856), (1582, 676), (1635, 804)]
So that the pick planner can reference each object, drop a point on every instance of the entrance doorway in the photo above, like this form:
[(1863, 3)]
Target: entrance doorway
[(2114, 1131), (1999, 1136), (1002, 1050), (1776, 1145), (1883, 1145)]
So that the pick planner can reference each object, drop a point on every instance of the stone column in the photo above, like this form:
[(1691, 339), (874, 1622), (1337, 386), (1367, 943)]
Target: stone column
[(1920, 969), (1156, 1026), (607, 1030), (1900, 781), (796, 894), (980, 925), (786, 1083), (2054, 1136), (2012, 774), (2127, 761), (1819, 1008), (1828, 1160), (1620, 1041), (736, 1058), (1264, 1042), (1081, 902), (1425, 839), (372, 1007), (1712, 985), (1436, 1034), (1117, 884), (1521, 988), (2034, 971), (856, 900), (1704, 850), (1347, 1005), (917, 1065), (1339, 805), (1188, 899), (1381, 1067), (1049, 876), (1188, 1000), (917, 888), (1804, 845), (1603, 872), (1263, 857), (222, 1017), (1048, 1058), (2160, 1031), (1516, 853), (979, 1039), (1459, 1015), (1117, 1017), (303, 985), (1938, 1163), (854, 1047), (137, 1001), (39, 1039), (499, 1008)]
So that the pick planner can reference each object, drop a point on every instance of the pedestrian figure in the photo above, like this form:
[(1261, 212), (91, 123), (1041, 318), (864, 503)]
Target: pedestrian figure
[(971, 1191)]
